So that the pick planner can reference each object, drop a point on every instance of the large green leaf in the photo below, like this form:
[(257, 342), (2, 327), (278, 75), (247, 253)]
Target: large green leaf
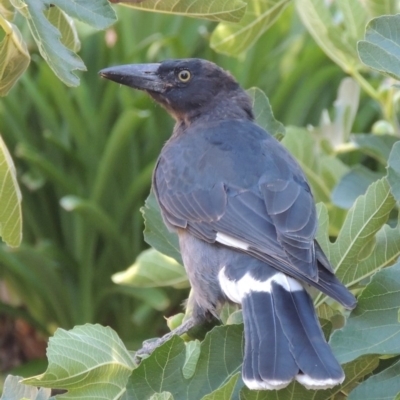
[(98, 14), (156, 233), (333, 40), (153, 269), (263, 113), (385, 385), (219, 361), (60, 59), (373, 327), (10, 200), (393, 169), (14, 56), (235, 39), (215, 10), (15, 390), (89, 361), (359, 251), (381, 48)]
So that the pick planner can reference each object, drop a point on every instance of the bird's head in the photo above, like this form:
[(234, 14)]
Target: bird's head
[(187, 88)]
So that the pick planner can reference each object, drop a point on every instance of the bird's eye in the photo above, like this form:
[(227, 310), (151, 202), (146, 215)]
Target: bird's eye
[(184, 75)]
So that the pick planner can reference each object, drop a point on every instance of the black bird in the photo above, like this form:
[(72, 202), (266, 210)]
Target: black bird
[(246, 222)]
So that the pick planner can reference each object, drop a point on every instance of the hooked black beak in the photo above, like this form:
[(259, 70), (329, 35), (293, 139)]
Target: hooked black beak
[(138, 76)]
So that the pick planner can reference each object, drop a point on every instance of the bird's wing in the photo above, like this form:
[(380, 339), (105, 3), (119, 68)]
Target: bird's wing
[(236, 185)]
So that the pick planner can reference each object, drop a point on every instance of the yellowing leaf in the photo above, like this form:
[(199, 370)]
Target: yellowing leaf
[(10, 200), (216, 10), (236, 38), (14, 56)]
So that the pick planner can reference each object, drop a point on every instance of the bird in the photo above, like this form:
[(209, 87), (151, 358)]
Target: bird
[(246, 221)]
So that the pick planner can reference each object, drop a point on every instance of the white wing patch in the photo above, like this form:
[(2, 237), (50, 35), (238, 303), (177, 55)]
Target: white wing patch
[(231, 241), (252, 384), (237, 290)]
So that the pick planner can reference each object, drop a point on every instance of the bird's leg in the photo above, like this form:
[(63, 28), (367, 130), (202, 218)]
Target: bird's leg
[(150, 345)]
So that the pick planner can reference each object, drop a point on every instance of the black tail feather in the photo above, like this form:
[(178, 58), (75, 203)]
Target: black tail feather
[(284, 341)]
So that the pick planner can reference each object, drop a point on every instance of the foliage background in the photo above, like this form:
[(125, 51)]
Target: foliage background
[(84, 158)]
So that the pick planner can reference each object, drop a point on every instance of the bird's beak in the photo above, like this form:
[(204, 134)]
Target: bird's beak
[(138, 76)]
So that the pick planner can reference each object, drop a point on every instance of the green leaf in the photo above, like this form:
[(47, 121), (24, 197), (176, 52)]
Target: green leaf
[(359, 251), (153, 269), (353, 184), (356, 240), (316, 16), (14, 56), (373, 327), (381, 48), (378, 147), (263, 113), (354, 17), (323, 171), (220, 359), (15, 390), (162, 396), (7, 10), (393, 171), (378, 7), (217, 10), (354, 371), (225, 392), (98, 14), (89, 361), (192, 356), (156, 234), (235, 39), (48, 39), (66, 26), (385, 385), (10, 200)]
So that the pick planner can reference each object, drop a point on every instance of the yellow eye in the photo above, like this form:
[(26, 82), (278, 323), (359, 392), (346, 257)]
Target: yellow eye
[(184, 75)]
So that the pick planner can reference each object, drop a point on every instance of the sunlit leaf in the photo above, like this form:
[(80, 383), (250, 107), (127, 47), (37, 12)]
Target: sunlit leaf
[(153, 269), (235, 39), (66, 26), (60, 59), (373, 327), (15, 390), (225, 392), (378, 7), (216, 10), (14, 56), (318, 20), (10, 200), (381, 48), (7, 9), (89, 361), (220, 359)]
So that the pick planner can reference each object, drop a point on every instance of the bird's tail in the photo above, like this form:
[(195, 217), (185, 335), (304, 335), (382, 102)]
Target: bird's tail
[(283, 339)]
